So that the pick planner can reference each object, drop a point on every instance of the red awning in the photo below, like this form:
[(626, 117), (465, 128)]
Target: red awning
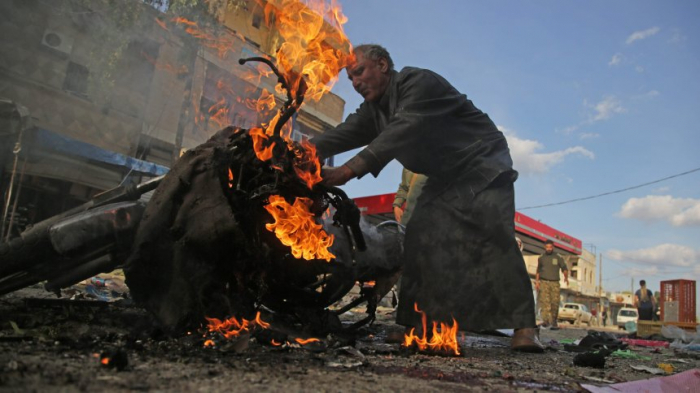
[(382, 204)]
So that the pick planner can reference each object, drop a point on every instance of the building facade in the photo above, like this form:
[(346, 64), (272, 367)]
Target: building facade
[(116, 93)]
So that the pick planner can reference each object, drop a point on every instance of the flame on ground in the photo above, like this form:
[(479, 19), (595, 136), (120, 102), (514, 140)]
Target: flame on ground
[(443, 338), (303, 341), (232, 327), (295, 227)]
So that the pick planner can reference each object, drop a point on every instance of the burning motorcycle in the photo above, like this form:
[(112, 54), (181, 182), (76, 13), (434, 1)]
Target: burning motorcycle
[(233, 228)]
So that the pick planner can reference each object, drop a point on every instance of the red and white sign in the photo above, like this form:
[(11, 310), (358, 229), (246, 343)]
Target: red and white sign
[(382, 204)]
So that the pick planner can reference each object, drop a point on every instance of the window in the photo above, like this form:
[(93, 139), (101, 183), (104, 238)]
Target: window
[(76, 81), (298, 136), (257, 20), (219, 99), (628, 313), (154, 150), (138, 65)]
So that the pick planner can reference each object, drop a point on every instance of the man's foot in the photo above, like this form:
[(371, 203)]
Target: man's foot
[(526, 340), (397, 336), (394, 337)]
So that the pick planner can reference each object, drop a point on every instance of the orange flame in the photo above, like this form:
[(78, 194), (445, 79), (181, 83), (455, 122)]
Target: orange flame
[(314, 46), (230, 178), (275, 343), (307, 166), (208, 343), (232, 327), (443, 339), (263, 152), (223, 43), (164, 66), (266, 102), (161, 24), (295, 227), (259, 322), (105, 361), (306, 341)]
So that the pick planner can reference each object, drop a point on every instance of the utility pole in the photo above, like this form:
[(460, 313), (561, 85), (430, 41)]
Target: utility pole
[(600, 276), (601, 306)]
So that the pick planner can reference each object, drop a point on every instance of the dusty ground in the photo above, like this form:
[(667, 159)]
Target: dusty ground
[(57, 346)]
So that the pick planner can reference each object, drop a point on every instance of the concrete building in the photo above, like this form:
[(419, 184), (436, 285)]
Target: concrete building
[(115, 93)]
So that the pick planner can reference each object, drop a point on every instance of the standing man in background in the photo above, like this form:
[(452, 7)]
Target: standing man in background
[(547, 283), (409, 190), (645, 302)]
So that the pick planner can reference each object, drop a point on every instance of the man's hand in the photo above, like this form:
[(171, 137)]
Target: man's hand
[(398, 213), (537, 285), (566, 280), (336, 176)]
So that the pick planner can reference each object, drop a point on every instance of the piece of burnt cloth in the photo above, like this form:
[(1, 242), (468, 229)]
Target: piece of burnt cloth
[(187, 240), (462, 259)]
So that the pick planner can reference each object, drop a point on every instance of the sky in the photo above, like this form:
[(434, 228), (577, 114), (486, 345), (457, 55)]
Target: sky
[(593, 97)]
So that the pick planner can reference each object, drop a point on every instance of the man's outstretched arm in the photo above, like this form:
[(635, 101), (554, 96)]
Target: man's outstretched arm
[(337, 176)]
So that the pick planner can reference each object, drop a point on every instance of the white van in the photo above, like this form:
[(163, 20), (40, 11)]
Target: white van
[(626, 314)]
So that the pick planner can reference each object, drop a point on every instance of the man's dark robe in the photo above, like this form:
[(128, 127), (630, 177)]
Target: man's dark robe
[(461, 257)]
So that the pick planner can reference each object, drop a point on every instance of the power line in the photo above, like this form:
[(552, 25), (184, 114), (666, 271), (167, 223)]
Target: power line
[(612, 192)]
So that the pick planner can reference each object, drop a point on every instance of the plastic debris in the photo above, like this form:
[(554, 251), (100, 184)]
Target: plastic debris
[(668, 368), (650, 370), (600, 380), (692, 346), (676, 333), (671, 384), (338, 364), (629, 355), (590, 359), (105, 289), (596, 340), (646, 343), (567, 341)]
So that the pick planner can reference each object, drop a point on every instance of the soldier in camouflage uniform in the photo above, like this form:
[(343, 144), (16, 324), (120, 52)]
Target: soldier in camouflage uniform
[(409, 190), (547, 283)]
